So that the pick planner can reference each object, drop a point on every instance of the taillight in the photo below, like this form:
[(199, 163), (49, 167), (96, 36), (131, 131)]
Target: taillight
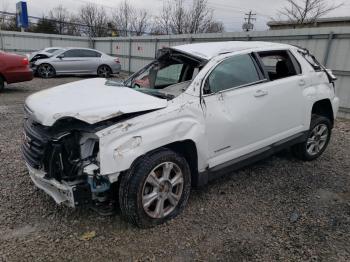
[(25, 61), (117, 60)]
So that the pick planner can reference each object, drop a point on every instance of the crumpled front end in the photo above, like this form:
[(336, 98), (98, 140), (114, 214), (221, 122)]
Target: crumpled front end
[(63, 161)]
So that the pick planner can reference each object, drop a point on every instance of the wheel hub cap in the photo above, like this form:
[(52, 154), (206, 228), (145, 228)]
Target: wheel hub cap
[(317, 139), (162, 190)]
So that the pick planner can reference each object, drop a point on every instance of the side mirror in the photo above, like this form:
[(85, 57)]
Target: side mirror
[(317, 67), (206, 87), (60, 56)]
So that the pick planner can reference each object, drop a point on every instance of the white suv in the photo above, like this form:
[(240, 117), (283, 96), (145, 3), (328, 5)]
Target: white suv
[(196, 111)]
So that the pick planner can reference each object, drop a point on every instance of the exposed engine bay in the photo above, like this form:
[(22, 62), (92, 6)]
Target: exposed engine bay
[(68, 152), (38, 57)]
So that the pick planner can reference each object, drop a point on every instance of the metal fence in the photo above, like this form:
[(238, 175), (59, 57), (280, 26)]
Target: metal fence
[(23, 43), (330, 45)]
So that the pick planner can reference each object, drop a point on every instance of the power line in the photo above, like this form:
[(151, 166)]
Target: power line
[(227, 7)]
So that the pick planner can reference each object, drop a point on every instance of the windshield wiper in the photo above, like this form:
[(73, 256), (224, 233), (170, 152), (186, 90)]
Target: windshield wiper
[(162, 95), (156, 93)]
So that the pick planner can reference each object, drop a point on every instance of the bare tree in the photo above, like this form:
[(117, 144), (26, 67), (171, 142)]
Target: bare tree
[(179, 17), (163, 22), (3, 16), (140, 23), (200, 17), (7, 22), (61, 15), (215, 27), (123, 17), (73, 26), (96, 20), (307, 11), (176, 18)]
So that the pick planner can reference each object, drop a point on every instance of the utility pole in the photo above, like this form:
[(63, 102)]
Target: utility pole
[(248, 25)]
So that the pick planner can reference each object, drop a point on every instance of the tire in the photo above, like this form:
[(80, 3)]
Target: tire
[(46, 71), (317, 139), (2, 83), (144, 189), (104, 71)]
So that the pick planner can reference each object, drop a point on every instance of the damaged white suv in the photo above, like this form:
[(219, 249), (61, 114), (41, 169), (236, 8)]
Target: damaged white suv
[(196, 111)]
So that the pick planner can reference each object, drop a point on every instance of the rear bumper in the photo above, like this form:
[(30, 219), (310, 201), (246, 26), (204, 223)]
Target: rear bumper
[(17, 76), (116, 68), (70, 195)]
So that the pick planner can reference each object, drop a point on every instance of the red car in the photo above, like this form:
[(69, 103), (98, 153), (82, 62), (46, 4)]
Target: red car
[(14, 69)]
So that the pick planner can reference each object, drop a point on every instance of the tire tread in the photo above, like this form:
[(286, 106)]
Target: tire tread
[(129, 189)]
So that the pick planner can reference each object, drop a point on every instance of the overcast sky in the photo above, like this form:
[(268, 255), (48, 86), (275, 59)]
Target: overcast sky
[(230, 12)]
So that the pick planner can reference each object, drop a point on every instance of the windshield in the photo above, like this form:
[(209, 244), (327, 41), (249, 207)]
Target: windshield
[(51, 51), (167, 77), (58, 51)]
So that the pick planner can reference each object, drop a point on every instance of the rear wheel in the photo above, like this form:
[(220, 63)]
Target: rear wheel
[(104, 71), (317, 139), (155, 189), (46, 71)]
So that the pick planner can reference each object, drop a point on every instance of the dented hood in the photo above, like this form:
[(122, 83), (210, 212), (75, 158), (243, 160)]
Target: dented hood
[(91, 101)]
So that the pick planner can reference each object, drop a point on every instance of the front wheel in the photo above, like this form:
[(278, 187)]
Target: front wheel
[(317, 139), (155, 189), (46, 71)]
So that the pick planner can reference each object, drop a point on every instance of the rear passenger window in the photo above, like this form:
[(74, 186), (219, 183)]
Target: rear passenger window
[(280, 64), (72, 53), (236, 71), (89, 53)]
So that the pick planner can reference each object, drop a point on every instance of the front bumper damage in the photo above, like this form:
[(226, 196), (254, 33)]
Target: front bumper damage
[(72, 195), (63, 161)]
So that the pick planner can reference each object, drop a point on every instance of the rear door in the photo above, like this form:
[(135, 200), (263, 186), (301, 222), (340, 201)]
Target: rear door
[(92, 60), (285, 91)]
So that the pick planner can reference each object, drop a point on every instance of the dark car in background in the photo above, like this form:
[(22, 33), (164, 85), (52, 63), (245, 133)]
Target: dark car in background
[(13, 69)]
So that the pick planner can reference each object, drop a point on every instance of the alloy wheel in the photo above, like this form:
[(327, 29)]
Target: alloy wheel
[(317, 139), (104, 71), (46, 71), (162, 190)]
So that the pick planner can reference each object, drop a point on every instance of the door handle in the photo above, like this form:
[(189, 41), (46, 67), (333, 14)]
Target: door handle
[(261, 93)]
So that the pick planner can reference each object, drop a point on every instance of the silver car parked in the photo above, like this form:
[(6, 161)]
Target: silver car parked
[(42, 54), (77, 61)]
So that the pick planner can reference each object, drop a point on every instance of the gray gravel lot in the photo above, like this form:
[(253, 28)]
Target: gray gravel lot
[(278, 209)]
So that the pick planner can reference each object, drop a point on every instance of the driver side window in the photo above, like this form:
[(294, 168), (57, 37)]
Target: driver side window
[(233, 72)]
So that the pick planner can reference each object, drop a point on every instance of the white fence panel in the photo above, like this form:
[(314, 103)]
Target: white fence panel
[(330, 45)]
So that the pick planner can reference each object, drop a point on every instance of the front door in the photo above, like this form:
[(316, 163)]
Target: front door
[(245, 112)]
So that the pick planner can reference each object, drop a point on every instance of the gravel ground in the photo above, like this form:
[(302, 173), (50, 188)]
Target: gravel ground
[(278, 209)]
